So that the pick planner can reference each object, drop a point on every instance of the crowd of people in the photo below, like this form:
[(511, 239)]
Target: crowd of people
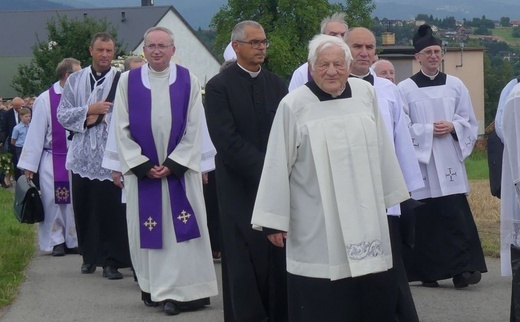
[(323, 198)]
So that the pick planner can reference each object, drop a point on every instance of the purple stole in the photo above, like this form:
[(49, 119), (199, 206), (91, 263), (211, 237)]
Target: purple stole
[(59, 153), (149, 190)]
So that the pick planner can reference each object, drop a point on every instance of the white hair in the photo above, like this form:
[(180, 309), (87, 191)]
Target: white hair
[(337, 17), (320, 42)]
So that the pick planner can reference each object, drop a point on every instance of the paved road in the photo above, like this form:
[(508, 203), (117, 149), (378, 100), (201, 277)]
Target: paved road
[(55, 291)]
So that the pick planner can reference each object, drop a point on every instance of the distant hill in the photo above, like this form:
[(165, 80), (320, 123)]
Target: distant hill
[(460, 9), (9, 5), (198, 13)]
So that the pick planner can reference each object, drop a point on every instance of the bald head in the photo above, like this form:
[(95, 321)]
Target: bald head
[(384, 68), (362, 44), (17, 103)]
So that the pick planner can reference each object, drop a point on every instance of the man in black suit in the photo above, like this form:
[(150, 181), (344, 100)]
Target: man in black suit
[(11, 119)]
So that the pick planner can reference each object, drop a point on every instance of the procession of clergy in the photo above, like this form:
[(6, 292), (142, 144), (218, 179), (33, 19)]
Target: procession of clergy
[(314, 186)]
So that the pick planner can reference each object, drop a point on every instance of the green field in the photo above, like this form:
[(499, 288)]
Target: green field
[(505, 34), (477, 166)]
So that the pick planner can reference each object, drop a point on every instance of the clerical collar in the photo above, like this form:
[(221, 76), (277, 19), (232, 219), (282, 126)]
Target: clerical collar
[(322, 96), (423, 80), (164, 71), (430, 77), (368, 77), (97, 78), (252, 74), (98, 75)]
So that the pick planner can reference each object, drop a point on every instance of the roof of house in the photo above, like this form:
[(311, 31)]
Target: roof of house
[(22, 29)]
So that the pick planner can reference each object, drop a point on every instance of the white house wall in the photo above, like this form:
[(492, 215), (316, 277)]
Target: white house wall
[(189, 52)]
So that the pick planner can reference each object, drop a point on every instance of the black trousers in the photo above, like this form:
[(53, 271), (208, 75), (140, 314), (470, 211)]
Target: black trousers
[(254, 283), (100, 222), (212, 211)]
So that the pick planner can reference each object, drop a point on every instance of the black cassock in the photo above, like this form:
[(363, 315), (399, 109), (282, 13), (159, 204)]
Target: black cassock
[(239, 111)]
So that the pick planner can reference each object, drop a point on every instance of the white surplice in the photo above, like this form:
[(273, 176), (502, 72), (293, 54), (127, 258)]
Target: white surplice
[(179, 271), (329, 174), (299, 77), (441, 159), (510, 191), (391, 105), (58, 226), (504, 95), (86, 150)]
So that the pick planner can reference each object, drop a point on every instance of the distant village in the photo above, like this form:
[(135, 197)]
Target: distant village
[(453, 31)]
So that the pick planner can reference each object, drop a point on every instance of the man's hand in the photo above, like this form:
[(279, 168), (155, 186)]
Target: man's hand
[(91, 119), (158, 172), (441, 128), (205, 178), (98, 108), (118, 179), (277, 239), (29, 174)]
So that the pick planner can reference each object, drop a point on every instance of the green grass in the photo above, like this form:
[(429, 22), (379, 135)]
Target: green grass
[(505, 33), (477, 166), (17, 245)]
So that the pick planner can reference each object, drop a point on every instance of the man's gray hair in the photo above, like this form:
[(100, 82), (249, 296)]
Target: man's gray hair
[(239, 32), (164, 29), (226, 64), (133, 59), (66, 66), (337, 17), (320, 42)]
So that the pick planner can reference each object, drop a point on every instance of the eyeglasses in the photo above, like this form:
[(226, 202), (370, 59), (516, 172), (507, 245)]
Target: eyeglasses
[(161, 47), (256, 43), (436, 52)]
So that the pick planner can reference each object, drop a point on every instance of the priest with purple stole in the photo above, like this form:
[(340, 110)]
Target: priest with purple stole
[(44, 152), (158, 113)]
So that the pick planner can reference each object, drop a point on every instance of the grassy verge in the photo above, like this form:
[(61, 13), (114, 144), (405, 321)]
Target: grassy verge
[(477, 166), (17, 245), (485, 208), (486, 211), (505, 33)]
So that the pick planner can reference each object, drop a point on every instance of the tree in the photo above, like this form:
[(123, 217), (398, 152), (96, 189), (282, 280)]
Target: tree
[(497, 73), (66, 38), (505, 21), (516, 32), (289, 25), (358, 12)]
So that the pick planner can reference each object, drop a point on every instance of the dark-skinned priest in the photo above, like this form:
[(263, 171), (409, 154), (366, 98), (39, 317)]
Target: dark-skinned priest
[(329, 175)]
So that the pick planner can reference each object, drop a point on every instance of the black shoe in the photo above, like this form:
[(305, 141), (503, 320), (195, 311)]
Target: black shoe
[(112, 273), (467, 278), (150, 303), (147, 299), (88, 268), (58, 250), (191, 305), (170, 308), (430, 284), (73, 250)]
